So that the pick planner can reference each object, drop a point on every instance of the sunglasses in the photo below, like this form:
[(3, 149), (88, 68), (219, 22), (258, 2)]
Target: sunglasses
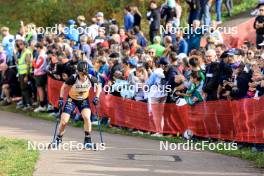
[(261, 10)]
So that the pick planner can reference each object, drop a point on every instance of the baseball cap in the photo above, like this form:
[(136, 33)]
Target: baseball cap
[(163, 61), (71, 22), (140, 51), (132, 62), (233, 52)]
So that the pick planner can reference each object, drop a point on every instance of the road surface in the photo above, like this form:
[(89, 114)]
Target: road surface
[(123, 156)]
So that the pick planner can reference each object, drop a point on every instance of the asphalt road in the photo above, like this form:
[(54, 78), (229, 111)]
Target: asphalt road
[(123, 156)]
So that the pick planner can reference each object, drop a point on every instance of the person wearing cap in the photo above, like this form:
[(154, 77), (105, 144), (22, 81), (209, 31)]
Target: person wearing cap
[(79, 86), (240, 85), (71, 32), (157, 46), (259, 26), (154, 19), (114, 64), (8, 43)]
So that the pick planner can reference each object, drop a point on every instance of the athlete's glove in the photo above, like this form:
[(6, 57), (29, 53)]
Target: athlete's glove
[(60, 103), (96, 101)]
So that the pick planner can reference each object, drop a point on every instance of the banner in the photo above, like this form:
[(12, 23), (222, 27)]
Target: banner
[(241, 120)]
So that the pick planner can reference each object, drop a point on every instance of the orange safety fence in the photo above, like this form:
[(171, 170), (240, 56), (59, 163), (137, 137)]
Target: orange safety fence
[(241, 120)]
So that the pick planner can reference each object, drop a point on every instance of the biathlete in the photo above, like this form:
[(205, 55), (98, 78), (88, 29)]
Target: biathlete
[(80, 85)]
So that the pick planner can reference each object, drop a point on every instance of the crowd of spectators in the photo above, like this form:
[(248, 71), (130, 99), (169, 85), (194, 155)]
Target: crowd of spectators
[(122, 55)]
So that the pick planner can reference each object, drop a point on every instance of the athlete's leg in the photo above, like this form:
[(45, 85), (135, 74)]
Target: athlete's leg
[(87, 126), (65, 117), (86, 114)]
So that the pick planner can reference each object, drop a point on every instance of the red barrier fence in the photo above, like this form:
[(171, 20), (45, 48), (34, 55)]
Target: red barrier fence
[(241, 120)]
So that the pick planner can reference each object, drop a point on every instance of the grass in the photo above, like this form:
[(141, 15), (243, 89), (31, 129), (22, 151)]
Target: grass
[(238, 9), (244, 153), (15, 158)]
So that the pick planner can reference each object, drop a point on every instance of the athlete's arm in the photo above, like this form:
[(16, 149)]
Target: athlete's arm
[(62, 89), (67, 84)]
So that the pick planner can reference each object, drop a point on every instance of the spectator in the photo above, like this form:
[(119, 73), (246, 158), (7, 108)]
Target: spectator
[(157, 94), (154, 18), (9, 84), (215, 34), (182, 44), (193, 94), (114, 64), (70, 32), (141, 40), (259, 26), (204, 14), (81, 25), (24, 72), (194, 9), (128, 19), (218, 9), (229, 7), (137, 17), (240, 85), (8, 43), (194, 35), (159, 49), (211, 76), (40, 76)]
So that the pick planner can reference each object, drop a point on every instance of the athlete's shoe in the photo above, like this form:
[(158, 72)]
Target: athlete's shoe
[(88, 143), (58, 140), (55, 144)]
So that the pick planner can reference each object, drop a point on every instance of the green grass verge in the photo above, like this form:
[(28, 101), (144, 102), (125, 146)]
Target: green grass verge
[(244, 153), (15, 158)]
